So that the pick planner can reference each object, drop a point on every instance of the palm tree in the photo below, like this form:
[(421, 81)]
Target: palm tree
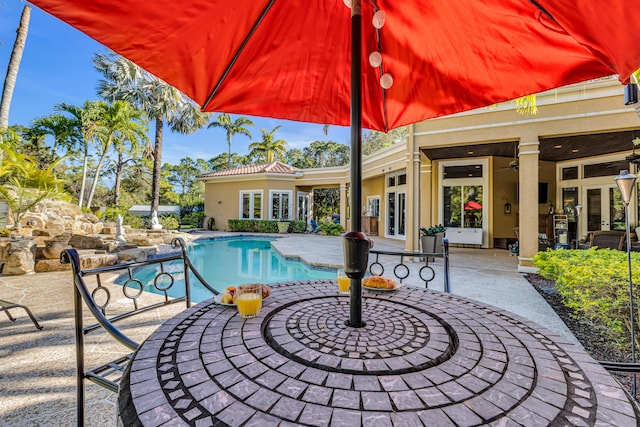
[(85, 122), (238, 126), (12, 70), (125, 81), (57, 125), (119, 120), (25, 183), (268, 148), (129, 141), (14, 65)]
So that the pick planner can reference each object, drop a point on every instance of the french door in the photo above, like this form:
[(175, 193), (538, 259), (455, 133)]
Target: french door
[(396, 213), (303, 206), (604, 208)]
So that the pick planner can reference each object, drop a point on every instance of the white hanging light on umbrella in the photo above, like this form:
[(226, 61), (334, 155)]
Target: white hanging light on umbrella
[(386, 81), (375, 59), (378, 18)]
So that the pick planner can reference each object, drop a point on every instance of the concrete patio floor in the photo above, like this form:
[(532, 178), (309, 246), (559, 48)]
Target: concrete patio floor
[(37, 368)]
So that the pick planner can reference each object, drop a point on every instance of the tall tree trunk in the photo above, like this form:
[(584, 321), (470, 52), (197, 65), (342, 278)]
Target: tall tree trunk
[(96, 177), (14, 65), (116, 187), (229, 142), (84, 178), (12, 69), (157, 166)]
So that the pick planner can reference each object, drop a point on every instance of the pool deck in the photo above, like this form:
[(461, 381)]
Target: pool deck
[(38, 367)]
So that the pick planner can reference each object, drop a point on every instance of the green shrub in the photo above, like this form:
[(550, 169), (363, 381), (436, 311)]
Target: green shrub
[(297, 226), (192, 219), (253, 226), (595, 283), (169, 222), (111, 214), (264, 226), (133, 221), (327, 227)]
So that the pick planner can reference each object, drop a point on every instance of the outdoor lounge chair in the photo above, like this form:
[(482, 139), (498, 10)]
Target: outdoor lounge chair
[(611, 239), (6, 306)]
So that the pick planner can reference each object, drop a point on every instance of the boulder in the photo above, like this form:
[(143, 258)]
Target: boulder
[(133, 255), (47, 265), (54, 247), (98, 260), (87, 242), (21, 255), (145, 240)]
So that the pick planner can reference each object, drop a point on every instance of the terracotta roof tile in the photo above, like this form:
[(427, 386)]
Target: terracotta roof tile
[(273, 167)]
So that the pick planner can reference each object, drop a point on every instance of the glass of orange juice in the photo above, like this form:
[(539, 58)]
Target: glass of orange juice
[(249, 300), (344, 283)]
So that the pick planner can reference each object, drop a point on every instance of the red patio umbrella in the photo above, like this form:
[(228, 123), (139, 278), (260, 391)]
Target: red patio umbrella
[(293, 59), (472, 206)]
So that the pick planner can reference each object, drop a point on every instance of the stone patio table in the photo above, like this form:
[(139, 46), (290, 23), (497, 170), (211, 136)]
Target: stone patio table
[(423, 358)]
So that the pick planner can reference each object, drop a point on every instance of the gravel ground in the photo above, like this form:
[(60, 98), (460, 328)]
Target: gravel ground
[(592, 336)]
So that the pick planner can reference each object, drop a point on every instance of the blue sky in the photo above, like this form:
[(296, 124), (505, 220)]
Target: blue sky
[(56, 67)]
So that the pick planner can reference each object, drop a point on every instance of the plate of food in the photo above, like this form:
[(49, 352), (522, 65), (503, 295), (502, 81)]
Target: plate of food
[(227, 297), (224, 298), (380, 284)]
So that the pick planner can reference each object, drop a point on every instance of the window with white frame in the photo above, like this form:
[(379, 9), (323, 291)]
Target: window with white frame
[(251, 204), (373, 206), (280, 204)]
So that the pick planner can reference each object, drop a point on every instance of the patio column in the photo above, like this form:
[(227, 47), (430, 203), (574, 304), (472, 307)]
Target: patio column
[(528, 153), (412, 241), (343, 205)]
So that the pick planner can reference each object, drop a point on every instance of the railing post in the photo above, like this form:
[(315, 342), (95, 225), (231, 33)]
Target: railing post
[(447, 283), (74, 259)]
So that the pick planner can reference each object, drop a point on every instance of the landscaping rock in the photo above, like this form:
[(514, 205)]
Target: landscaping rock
[(145, 240), (87, 242), (133, 255), (46, 265), (98, 260), (21, 255)]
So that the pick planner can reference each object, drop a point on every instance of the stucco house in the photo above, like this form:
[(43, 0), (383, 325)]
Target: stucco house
[(480, 173)]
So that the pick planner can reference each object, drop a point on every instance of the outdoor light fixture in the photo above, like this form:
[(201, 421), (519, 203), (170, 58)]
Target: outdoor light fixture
[(631, 94), (552, 208), (626, 182)]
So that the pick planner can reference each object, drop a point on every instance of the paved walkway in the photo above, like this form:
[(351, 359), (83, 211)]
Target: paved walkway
[(37, 367)]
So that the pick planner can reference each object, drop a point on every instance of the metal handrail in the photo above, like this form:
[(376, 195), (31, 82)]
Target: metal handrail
[(401, 271)]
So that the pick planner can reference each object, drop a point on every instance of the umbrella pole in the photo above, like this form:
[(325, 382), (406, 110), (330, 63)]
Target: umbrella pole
[(355, 297)]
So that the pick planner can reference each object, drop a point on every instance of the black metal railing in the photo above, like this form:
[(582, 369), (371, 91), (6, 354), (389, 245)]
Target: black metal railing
[(402, 270)]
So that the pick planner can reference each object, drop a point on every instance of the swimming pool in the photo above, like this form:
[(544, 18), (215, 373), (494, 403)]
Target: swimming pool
[(233, 261)]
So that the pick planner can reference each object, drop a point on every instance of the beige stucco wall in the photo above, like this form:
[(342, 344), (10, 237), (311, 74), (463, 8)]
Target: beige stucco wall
[(222, 198), (505, 187)]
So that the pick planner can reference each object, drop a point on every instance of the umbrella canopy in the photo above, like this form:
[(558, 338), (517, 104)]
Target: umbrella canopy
[(291, 59), (472, 206)]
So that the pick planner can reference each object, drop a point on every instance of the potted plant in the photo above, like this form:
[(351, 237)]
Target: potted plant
[(634, 157), (283, 225), (431, 238)]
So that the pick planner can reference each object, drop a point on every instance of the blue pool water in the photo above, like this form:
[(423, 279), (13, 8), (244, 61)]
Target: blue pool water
[(233, 261)]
